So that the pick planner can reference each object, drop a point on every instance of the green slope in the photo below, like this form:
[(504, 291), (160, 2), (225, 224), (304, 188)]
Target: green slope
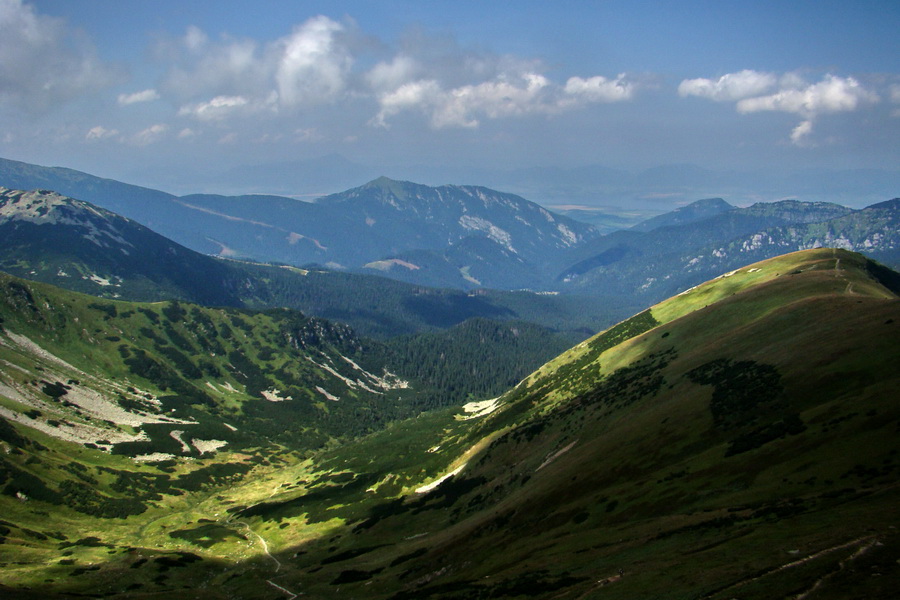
[(275, 375), (739, 440), (736, 441)]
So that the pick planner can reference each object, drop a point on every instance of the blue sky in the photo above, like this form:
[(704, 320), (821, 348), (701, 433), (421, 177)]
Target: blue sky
[(138, 90)]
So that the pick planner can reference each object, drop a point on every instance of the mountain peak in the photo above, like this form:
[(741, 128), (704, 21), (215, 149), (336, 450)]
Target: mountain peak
[(887, 204), (381, 181), (690, 213), (707, 204), (38, 206)]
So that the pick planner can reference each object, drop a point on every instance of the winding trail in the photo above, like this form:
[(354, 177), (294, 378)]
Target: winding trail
[(864, 543), (265, 547), (285, 590), (838, 271), (262, 541), (841, 566)]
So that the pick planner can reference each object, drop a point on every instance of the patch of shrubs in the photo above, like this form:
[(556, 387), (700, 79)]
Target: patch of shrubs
[(87, 500), (748, 403), (55, 390)]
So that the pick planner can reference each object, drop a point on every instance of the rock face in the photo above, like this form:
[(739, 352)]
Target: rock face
[(80, 246)]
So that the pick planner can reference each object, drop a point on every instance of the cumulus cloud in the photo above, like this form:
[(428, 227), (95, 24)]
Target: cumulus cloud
[(317, 64), (422, 94), (200, 68), (391, 75), (308, 67), (493, 99), (215, 109), (312, 64), (41, 64), (150, 135), (507, 95), (801, 132), (757, 92), (142, 96), (832, 94), (101, 133), (729, 87), (600, 89)]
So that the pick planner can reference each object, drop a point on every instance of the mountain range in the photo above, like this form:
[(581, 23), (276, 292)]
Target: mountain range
[(469, 237), (657, 189), (675, 256), (82, 247), (736, 440)]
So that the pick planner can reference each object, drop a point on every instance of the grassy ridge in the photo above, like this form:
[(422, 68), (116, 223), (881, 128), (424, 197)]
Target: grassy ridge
[(701, 457)]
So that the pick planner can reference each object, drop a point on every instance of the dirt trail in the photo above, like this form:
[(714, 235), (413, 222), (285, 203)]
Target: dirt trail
[(865, 544), (265, 546), (261, 539), (838, 272), (285, 590)]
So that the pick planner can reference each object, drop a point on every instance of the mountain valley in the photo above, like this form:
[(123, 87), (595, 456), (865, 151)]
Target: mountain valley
[(736, 440)]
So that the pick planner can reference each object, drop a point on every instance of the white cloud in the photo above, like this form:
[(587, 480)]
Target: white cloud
[(150, 135), (203, 69), (316, 65), (313, 64), (186, 133), (417, 94), (216, 109), (494, 99), (895, 93), (507, 95), (792, 94), (41, 65), (142, 96), (600, 89), (832, 94), (801, 132), (386, 76), (308, 67), (100, 133), (729, 87)]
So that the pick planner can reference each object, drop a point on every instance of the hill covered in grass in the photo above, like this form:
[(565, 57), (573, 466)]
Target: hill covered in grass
[(738, 440)]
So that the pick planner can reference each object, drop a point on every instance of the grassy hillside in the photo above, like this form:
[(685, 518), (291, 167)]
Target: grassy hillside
[(736, 441), (278, 374)]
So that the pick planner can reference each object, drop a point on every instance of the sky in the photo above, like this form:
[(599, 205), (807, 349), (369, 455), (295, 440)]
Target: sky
[(157, 92)]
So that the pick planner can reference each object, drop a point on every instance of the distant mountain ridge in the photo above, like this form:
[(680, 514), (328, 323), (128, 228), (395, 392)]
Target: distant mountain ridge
[(375, 222), (668, 259), (469, 237), (376, 226), (73, 244)]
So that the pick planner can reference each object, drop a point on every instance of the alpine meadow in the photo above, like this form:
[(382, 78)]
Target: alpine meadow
[(449, 301)]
